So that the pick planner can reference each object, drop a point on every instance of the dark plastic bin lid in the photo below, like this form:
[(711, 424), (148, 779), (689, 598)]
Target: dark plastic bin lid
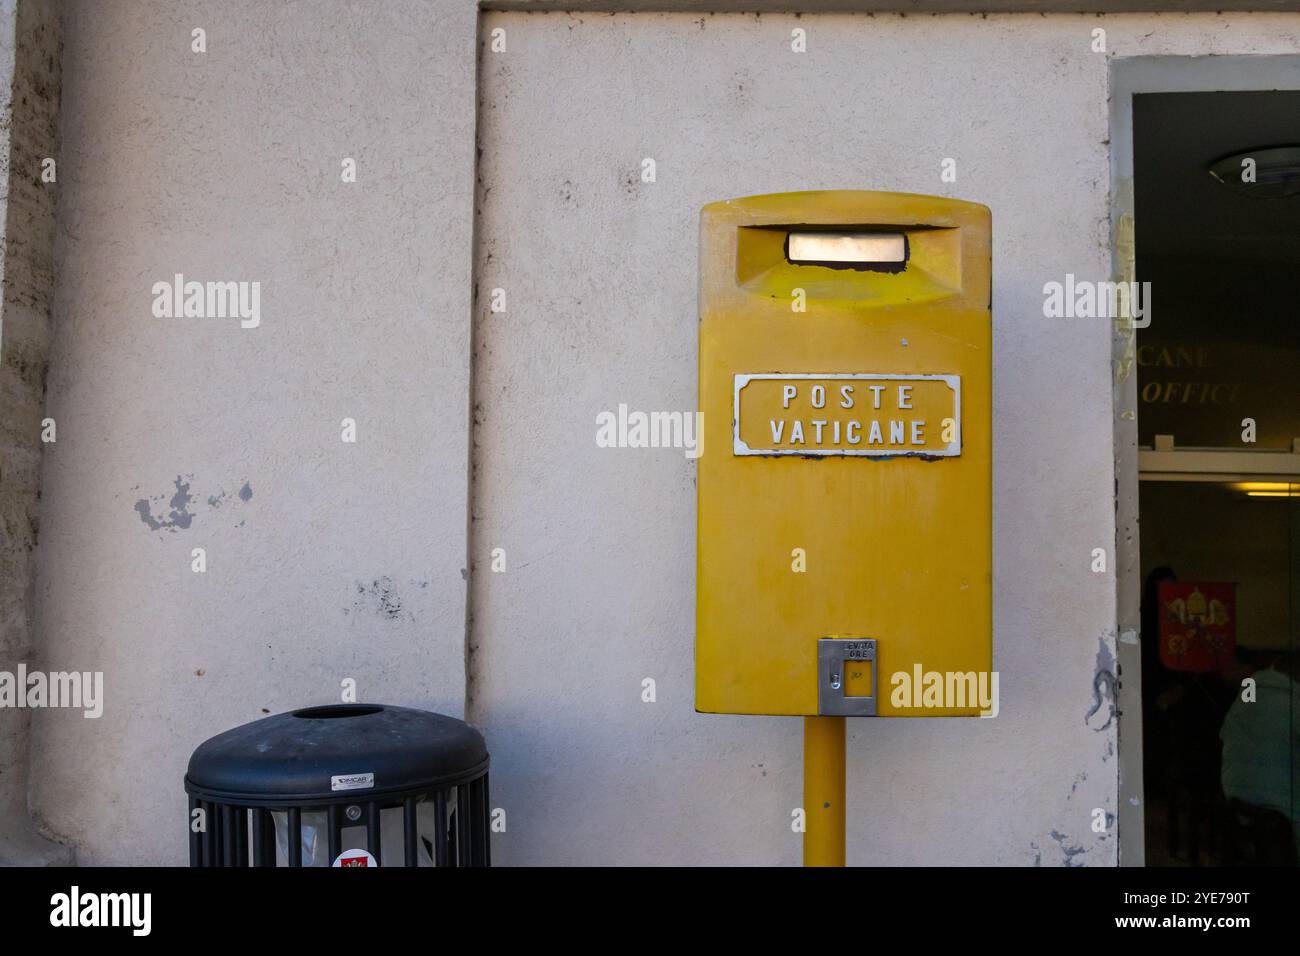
[(297, 756)]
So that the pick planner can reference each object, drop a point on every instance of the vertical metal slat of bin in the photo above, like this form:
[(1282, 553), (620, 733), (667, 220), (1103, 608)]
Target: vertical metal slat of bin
[(228, 855), (440, 828), (335, 814), (487, 822), (373, 840), (453, 834), (272, 849), (463, 815), (263, 838), (210, 853), (240, 821), (410, 832), (218, 822), (478, 821), (196, 836), (294, 826)]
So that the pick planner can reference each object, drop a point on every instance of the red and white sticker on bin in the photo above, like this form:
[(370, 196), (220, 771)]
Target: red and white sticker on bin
[(355, 858)]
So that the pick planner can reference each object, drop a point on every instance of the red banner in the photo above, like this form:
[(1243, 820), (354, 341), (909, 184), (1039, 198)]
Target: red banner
[(1198, 625)]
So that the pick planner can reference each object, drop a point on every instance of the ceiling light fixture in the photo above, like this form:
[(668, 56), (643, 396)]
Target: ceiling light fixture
[(1267, 173)]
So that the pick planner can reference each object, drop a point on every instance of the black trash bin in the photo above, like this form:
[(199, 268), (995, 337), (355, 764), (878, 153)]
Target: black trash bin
[(342, 785)]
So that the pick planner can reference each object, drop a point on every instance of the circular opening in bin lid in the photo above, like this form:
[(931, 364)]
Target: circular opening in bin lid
[(334, 711), (310, 754)]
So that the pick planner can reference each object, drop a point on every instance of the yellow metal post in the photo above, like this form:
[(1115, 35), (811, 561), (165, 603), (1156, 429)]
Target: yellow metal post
[(823, 791)]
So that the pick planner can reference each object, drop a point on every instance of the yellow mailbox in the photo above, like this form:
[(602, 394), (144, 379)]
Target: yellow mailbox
[(844, 545)]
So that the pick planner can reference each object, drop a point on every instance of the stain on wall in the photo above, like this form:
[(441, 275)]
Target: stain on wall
[(382, 598), (172, 512)]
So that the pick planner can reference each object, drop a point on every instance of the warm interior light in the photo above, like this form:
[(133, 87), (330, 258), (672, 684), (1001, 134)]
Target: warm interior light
[(850, 248), (1268, 489), (1261, 486)]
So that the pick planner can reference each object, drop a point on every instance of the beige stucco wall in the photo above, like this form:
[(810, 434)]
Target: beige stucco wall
[(346, 560), (599, 270)]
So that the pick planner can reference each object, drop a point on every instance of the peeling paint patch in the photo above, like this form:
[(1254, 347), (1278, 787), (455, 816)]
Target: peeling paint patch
[(179, 517), (1103, 686), (142, 507), (1068, 852), (179, 511), (221, 497)]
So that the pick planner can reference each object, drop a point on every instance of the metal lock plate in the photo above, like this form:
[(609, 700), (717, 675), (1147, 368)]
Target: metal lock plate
[(845, 665)]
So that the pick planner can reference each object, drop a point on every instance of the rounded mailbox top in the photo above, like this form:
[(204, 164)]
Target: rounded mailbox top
[(337, 752)]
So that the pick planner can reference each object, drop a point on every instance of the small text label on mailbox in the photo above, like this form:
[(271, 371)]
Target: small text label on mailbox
[(352, 781), (856, 414)]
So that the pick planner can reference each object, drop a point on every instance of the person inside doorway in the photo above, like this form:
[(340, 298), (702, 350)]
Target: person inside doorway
[(1261, 747)]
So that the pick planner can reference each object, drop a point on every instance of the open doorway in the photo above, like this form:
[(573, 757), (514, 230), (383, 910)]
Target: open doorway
[(1216, 201)]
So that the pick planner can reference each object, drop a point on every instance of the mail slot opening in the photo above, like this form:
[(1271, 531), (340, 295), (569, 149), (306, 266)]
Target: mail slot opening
[(851, 249)]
